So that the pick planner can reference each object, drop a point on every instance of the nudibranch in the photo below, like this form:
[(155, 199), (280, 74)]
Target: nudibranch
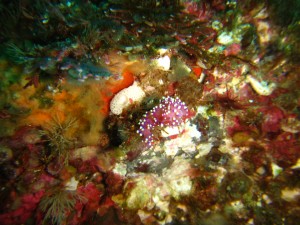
[(169, 113)]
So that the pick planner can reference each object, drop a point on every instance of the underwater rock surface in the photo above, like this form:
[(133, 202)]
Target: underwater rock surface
[(150, 112)]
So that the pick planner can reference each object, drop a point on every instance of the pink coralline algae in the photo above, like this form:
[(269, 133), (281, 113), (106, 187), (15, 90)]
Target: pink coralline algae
[(272, 118), (28, 205), (88, 206), (233, 49), (170, 112)]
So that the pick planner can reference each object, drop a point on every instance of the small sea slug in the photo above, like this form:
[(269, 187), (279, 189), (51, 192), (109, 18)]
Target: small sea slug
[(170, 112)]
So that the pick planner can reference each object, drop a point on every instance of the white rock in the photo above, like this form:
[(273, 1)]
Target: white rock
[(170, 131), (163, 62), (290, 195), (261, 88), (237, 205), (225, 38), (72, 184), (181, 186), (276, 170), (121, 169), (266, 199), (85, 153), (264, 32), (204, 149), (180, 138), (297, 165)]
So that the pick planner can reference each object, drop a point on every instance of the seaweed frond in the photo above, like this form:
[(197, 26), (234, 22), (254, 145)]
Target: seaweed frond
[(57, 204), (59, 134), (16, 54)]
